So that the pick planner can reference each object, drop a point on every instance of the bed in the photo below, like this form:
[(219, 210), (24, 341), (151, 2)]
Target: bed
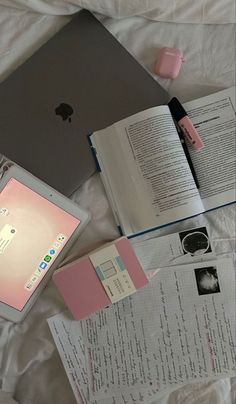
[(30, 368)]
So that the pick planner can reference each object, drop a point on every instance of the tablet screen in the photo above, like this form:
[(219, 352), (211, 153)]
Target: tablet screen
[(33, 231)]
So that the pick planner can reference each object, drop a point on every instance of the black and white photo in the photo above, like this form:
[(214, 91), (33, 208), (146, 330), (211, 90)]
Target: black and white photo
[(207, 280)]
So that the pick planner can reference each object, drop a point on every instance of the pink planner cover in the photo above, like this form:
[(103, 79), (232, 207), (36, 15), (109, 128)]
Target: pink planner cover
[(82, 289)]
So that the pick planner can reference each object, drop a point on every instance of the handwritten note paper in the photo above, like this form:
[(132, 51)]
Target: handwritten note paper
[(179, 329), (185, 247), (67, 334)]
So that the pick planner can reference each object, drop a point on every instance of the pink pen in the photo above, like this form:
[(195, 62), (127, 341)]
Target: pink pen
[(185, 123)]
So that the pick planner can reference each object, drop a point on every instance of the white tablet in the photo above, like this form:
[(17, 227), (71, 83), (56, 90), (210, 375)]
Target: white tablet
[(37, 227)]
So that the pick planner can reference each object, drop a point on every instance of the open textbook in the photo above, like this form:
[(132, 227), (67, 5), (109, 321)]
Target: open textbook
[(179, 329), (145, 170)]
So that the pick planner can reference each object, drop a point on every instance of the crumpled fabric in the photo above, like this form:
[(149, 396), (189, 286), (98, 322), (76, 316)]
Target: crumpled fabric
[(6, 398), (184, 11)]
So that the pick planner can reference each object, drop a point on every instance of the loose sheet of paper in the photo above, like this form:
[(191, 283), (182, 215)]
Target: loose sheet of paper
[(179, 329), (178, 248), (72, 353), (67, 334)]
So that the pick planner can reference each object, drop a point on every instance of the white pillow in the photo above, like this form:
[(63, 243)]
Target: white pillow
[(184, 11)]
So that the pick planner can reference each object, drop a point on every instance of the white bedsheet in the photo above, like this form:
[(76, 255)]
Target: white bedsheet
[(30, 368), (184, 11)]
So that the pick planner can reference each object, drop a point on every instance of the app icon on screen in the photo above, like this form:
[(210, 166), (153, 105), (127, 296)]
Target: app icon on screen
[(28, 285), (61, 237), (52, 251), (4, 211), (47, 258), (43, 265), (34, 279), (38, 272), (56, 245)]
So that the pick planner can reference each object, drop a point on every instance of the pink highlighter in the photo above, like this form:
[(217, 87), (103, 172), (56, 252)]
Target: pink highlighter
[(186, 125)]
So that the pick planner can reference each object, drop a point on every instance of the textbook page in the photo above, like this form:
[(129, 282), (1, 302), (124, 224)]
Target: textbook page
[(145, 171), (178, 329), (150, 140), (215, 165), (126, 192)]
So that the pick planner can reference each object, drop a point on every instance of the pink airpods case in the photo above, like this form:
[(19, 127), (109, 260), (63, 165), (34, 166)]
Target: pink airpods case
[(168, 63)]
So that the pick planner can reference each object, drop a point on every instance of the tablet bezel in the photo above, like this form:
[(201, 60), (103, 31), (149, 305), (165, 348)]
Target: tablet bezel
[(62, 202)]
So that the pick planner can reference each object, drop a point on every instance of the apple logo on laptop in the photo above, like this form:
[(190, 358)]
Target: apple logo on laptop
[(65, 111)]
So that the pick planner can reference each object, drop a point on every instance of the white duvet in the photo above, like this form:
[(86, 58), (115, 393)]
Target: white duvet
[(30, 368)]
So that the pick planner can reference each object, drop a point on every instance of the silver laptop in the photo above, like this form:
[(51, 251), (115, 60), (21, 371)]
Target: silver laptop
[(81, 80)]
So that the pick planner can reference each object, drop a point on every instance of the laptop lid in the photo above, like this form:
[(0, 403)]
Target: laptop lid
[(81, 80)]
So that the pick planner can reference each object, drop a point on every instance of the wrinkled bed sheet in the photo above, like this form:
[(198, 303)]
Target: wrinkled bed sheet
[(30, 367)]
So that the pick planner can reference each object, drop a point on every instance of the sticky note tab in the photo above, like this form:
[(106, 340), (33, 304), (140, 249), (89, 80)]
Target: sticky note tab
[(112, 273)]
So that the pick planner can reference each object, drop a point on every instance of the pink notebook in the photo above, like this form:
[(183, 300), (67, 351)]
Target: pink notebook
[(105, 276)]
